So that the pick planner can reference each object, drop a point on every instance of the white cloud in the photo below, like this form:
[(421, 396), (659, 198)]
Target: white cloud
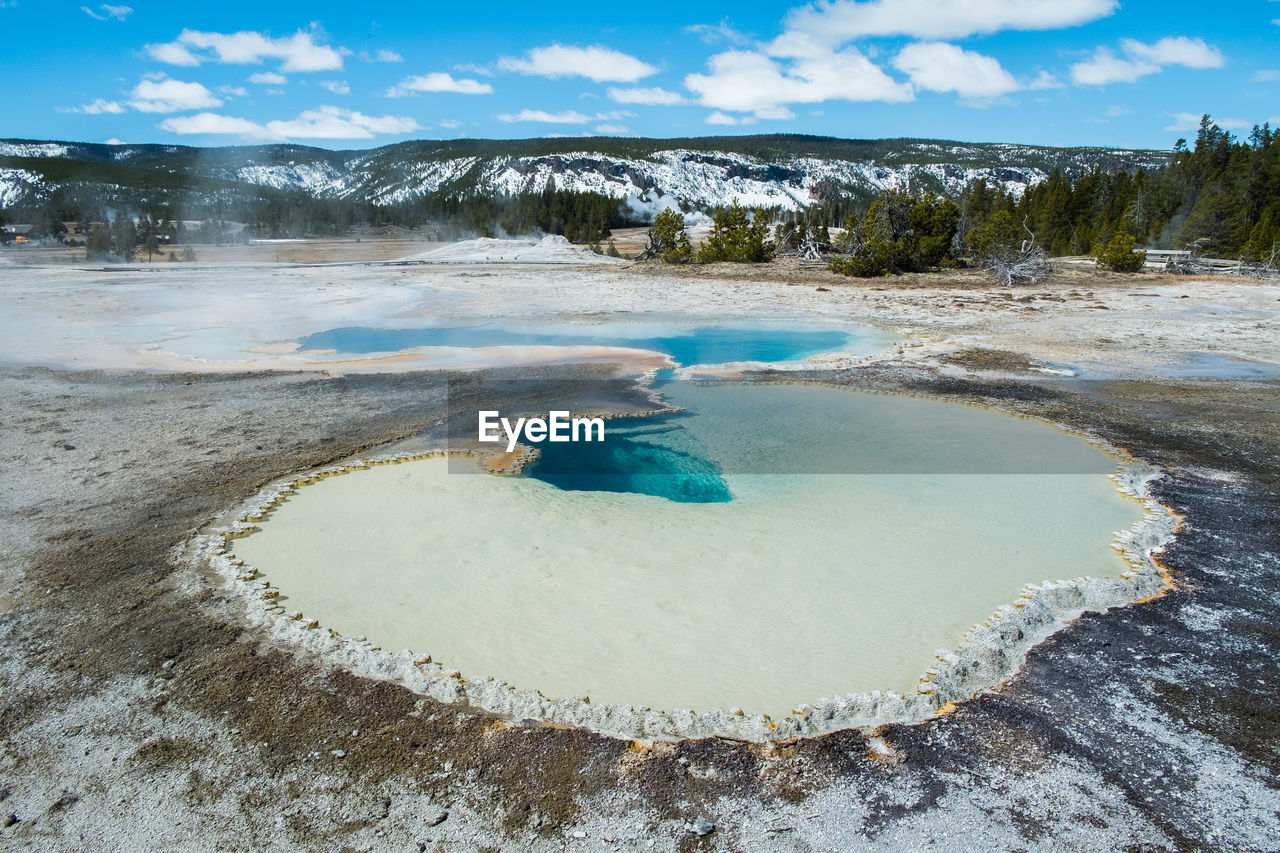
[(98, 107), (652, 96), (1175, 50), (438, 81), (597, 63), (114, 141), (451, 124), (172, 53), (234, 91), (713, 33), (942, 67), (171, 96), (843, 20), (1105, 67), (612, 128), (749, 81), (299, 52), (565, 117), (1267, 75), (775, 114), (338, 87), (718, 117), (1043, 80), (268, 78), (324, 123), (1191, 121), (108, 13), (214, 124), (380, 56), (1142, 59), (473, 68)]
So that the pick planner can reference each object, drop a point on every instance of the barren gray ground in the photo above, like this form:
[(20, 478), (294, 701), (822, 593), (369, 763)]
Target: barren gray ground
[(138, 712)]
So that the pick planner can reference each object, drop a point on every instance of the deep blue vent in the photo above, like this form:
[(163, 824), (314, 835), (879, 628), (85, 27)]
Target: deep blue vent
[(703, 345), (649, 456), (653, 456)]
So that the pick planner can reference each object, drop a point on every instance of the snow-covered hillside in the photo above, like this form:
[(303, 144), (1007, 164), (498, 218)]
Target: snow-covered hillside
[(697, 178), (642, 172)]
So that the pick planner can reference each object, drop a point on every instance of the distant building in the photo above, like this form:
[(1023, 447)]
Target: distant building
[(15, 233)]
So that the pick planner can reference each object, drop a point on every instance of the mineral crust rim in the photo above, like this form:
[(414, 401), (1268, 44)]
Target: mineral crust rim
[(988, 655)]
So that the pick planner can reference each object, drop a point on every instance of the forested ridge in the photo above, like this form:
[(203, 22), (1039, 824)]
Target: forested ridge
[(1218, 191)]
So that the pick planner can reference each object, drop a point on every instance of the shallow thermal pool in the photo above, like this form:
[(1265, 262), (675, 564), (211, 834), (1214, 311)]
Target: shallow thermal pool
[(687, 345), (856, 534)]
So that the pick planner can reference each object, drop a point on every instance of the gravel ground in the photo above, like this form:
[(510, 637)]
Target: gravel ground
[(137, 711)]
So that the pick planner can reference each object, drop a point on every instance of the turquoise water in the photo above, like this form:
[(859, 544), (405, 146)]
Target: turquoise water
[(731, 430), (693, 345), (654, 456), (861, 533)]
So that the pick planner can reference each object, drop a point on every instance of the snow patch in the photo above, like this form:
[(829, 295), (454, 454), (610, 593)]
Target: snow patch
[(33, 149), (17, 184), (526, 250)]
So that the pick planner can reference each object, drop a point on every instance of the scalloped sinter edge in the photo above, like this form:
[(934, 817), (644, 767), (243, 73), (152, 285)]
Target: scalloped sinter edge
[(989, 654)]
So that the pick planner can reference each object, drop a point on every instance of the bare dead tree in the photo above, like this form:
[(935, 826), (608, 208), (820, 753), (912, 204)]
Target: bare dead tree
[(1191, 263), (1266, 270), (667, 240), (799, 241), (811, 249), (1029, 264), (651, 249)]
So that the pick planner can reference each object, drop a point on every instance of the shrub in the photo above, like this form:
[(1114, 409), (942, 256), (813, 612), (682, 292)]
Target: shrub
[(668, 241), (1008, 252), (900, 233), (999, 236), (1119, 255), (737, 237)]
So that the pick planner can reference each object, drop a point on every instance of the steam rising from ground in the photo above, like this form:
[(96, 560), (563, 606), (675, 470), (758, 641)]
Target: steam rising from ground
[(525, 250)]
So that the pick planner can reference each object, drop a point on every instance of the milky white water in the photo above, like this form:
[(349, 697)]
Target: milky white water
[(802, 586)]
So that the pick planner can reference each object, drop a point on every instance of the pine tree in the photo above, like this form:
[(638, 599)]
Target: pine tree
[(124, 237), (98, 244), (737, 236), (899, 234), (668, 240)]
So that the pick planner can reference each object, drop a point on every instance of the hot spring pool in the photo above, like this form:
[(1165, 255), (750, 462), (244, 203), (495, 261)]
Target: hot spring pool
[(832, 542), (687, 345)]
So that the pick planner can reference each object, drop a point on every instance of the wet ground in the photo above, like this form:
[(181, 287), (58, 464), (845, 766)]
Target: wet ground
[(136, 711)]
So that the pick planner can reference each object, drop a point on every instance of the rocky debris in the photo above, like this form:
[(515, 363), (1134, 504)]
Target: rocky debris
[(702, 826), (879, 749), (435, 815)]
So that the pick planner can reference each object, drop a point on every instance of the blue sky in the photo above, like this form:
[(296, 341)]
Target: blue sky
[(351, 75)]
